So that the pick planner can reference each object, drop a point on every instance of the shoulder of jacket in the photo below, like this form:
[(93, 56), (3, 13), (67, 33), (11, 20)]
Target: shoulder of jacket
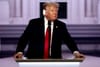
[(35, 19), (60, 22)]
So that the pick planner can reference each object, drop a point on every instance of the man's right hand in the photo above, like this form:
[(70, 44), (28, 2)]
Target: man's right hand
[(18, 55)]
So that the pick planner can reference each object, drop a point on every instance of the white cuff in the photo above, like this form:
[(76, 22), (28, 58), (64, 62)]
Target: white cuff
[(20, 53), (75, 52)]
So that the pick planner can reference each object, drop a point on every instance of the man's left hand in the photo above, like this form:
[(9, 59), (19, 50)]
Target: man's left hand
[(79, 56)]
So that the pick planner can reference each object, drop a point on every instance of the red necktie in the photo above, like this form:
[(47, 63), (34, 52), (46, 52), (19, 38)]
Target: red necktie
[(47, 42)]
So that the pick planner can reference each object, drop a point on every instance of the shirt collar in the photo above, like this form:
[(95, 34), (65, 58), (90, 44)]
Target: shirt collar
[(46, 21)]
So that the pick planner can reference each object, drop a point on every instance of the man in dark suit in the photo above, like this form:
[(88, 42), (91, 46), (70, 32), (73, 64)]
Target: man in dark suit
[(35, 33)]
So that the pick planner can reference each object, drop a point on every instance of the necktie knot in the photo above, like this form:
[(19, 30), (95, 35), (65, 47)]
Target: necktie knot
[(49, 23)]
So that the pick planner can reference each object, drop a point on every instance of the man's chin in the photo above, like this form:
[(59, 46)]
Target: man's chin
[(54, 19)]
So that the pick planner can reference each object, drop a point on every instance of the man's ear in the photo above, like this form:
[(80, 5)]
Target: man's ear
[(43, 12)]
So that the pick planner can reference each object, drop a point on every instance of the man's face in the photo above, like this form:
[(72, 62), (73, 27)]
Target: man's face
[(51, 13)]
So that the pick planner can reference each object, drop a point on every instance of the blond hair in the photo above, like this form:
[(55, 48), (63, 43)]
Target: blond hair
[(49, 4)]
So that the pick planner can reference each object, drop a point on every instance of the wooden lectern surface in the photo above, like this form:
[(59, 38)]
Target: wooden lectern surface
[(49, 60)]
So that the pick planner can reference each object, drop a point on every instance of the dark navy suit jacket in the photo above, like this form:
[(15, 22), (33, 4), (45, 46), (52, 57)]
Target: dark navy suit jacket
[(33, 36)]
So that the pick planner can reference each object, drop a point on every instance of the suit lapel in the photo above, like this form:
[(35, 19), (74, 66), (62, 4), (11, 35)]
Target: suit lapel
[(54, 31)]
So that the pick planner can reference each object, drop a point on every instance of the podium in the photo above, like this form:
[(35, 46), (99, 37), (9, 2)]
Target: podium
[(49, 63)]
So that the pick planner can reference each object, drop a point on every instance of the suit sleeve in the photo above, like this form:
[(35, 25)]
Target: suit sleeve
[(23, 40), (68, 40)]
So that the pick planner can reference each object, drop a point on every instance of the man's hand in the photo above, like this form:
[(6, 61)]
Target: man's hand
[(18, 55), (79, 56)]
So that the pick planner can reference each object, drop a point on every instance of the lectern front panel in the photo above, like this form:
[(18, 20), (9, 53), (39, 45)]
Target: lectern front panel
[(49, 63)]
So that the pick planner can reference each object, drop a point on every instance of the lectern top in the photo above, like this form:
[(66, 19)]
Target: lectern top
[(49, 60)]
